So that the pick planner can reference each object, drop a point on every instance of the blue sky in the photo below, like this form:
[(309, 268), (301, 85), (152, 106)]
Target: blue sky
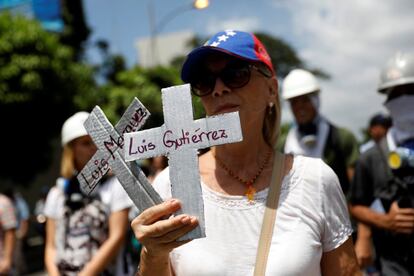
[(351, 40)]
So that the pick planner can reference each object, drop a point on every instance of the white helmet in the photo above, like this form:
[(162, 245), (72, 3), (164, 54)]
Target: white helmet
[(398, 71), (73, 127), (299, 82)]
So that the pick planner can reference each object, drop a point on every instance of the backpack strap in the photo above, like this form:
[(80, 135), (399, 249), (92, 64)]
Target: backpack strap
[(269, 218)]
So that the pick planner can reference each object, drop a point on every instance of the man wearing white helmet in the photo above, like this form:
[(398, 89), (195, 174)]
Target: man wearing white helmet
[(313, 135), (84, 234), (384, 175)]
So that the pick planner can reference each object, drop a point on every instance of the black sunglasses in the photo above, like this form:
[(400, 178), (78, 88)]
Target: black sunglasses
[(234, 75)]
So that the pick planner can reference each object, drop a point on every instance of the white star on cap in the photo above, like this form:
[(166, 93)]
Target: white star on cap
[(222, 38), (230, 33), (215, 44)]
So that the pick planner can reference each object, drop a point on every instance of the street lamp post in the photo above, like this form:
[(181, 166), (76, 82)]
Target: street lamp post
[(155, 29)]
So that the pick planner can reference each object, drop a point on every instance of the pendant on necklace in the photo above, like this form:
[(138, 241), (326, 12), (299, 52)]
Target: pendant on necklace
[(250, 191)]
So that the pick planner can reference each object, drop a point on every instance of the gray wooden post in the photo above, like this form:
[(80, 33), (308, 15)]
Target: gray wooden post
[(180, 138)]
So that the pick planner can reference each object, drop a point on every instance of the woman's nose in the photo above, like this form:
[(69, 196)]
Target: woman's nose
[(220, 88)]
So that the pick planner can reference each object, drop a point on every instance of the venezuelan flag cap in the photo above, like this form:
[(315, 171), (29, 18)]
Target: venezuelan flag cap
[(239, 44)]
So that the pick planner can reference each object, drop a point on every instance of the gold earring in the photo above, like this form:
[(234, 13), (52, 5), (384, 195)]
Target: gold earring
[(271, 104)]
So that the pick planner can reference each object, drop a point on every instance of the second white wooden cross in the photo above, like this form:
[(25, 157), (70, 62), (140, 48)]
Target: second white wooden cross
[(110, 141)]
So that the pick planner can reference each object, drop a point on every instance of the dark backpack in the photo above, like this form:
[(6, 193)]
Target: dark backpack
[(337, 162), (399, 247)]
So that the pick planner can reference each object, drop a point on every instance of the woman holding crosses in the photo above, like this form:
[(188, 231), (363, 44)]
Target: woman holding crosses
[(311, 234)]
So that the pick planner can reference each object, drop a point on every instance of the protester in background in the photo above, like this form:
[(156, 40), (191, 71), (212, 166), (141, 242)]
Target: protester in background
[(22, 215), (233, 72), (313, 134), (377, 129), (84, 234), (382, 193), (8, 225)]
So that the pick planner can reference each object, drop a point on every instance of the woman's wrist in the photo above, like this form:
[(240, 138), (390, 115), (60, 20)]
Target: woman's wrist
[(152, 255), (150, 261)]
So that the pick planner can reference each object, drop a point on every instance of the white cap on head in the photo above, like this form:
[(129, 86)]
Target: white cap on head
[(299, 82), (73, 127)]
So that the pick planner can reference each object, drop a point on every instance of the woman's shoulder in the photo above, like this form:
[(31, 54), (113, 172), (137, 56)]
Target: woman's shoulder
[(54, 201), (310, 164), (113, 194), (313, 172), (56, 190)]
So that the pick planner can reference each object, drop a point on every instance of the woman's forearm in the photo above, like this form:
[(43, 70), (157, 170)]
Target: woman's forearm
[(368, 216), (50, 265), (104, 256), (50, 249), (8, 246), (118, 225)]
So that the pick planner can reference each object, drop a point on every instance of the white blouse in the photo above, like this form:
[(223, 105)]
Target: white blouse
[(312, 218)]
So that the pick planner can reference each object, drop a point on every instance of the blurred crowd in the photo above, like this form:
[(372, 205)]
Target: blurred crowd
[(90, 235)]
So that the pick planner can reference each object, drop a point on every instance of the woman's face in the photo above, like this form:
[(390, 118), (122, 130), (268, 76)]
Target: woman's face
[(251, 100), (83, 150)]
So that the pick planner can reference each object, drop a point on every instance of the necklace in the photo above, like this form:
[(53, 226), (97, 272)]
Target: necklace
[(250, 190)]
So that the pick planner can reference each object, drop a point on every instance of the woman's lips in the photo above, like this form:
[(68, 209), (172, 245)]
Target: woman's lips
[(226, 108)]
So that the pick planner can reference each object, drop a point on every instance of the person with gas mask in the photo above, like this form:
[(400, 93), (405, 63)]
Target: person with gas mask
[(312, 134), (382, 192)]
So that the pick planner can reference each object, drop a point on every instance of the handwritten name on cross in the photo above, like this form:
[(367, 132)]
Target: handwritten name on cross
[(180, 138), (109, 141)]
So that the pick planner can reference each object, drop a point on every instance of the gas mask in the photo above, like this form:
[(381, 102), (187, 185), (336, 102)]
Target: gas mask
[(402, 113), (308, 133)]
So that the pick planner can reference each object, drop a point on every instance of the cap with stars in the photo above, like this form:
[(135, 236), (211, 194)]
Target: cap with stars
[(239, 44)]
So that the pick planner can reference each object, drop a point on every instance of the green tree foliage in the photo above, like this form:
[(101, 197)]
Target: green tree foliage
[(38, 82), (284, 57), (112, 64), (145, 84), (284, 130)]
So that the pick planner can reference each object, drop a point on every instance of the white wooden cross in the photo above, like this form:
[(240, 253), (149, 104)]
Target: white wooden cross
[(109, 141), (180, 138)]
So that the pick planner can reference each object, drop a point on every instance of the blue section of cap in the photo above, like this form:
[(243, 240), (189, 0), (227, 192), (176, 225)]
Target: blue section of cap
[(236, 43)]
